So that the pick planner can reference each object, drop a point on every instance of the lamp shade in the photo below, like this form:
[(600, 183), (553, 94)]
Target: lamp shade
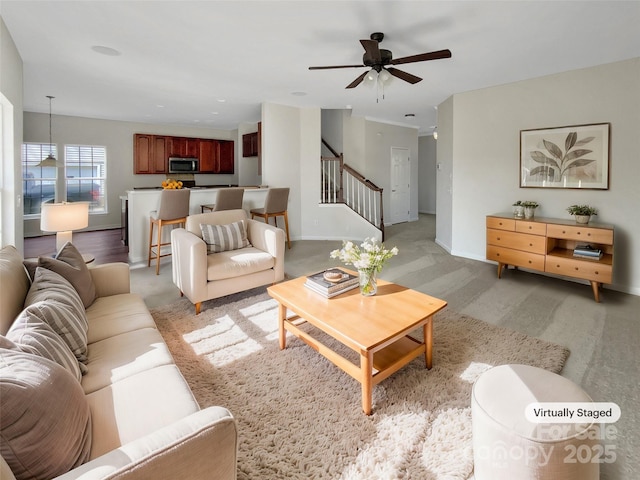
[(63, 217)]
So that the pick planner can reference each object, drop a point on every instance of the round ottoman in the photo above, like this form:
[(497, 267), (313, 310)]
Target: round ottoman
[(507, 446)]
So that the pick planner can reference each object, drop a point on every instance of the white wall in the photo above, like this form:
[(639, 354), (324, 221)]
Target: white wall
[(291, 158), (444, 175), (11, 228), (379, 139), (427, 174), (485, 156), (118, 138)]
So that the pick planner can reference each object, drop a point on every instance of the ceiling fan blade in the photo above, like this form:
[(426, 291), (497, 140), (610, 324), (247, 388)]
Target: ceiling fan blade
[(372, 49), (357, 81), (335, 66), (407, 77), (422, 57)]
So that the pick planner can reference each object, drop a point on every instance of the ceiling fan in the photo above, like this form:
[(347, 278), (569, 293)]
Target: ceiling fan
[(378, 59)]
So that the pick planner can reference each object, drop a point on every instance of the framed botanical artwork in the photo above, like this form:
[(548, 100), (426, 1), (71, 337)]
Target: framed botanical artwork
[(576, 156)]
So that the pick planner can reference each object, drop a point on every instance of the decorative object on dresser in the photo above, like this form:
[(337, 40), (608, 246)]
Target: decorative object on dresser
[(582, 213), (530, 208), (548, 245), (565, 157), (518, 209)]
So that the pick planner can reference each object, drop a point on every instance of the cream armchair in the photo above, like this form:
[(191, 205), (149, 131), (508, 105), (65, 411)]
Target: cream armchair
[(201, 275)]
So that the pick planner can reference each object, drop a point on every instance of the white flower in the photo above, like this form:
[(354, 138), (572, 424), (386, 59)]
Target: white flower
[(370, 255)]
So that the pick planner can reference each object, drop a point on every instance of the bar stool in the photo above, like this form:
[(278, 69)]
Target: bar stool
[(173, 209), (275, 205), (226, 199)]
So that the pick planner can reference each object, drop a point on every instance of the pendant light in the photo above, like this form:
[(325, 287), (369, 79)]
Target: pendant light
[(50, 161)]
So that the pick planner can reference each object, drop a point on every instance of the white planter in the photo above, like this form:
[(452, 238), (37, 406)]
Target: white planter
[(529, 212), (583, 219)]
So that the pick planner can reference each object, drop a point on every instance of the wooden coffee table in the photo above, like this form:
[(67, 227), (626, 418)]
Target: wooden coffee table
[(374, 327)]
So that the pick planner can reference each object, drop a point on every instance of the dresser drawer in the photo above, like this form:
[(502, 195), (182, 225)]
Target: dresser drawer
[(534, 228), (517, 241), (517, 258), (501, 223), (579, 233), (586, 269)]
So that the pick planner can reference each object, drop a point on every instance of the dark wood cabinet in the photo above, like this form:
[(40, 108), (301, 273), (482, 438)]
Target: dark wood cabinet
[(149, 154), (226, 156), (250, 144), (208, 154), (184, 147)]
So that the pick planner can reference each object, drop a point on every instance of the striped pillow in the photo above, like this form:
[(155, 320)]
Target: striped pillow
[(49, 285), (29, 334), (64, 321), (222, 238)]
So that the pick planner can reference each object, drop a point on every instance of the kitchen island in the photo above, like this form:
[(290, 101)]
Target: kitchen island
[(141, 202)]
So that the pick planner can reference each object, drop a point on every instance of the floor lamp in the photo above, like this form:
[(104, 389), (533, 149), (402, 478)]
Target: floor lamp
[(63, 218)]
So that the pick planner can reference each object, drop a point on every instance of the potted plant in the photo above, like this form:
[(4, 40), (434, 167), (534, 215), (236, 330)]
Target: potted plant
[(582, 213), (529, 208), (368, 258), (518, 209)]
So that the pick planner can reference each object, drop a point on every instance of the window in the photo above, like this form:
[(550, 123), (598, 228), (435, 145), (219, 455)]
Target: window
[(86, 175), (39, 183)]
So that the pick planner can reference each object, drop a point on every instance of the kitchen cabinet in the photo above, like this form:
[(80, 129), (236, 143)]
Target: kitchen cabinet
[(149, 154), (208, 155), (216, 156), (226, 156), (250, 144), (547, 244), (183, 147)]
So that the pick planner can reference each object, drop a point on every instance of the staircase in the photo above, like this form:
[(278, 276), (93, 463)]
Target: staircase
[(342, 184)]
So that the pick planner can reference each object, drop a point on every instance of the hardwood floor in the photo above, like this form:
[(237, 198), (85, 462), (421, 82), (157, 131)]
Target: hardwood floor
[(105, 245)]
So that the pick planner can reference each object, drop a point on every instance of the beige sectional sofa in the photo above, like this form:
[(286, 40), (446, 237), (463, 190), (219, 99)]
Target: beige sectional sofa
[(144, 422)]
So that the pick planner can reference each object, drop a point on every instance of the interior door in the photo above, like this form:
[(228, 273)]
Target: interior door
[(400, 185)]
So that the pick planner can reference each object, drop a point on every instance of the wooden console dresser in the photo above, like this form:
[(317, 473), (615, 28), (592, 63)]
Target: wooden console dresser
[(546, 245)]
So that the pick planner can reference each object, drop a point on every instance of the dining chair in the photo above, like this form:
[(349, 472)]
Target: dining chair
[(226, 199), (173, 210), (275, 205)]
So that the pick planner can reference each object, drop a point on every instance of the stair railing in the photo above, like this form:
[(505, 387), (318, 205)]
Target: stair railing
[(340, 183)]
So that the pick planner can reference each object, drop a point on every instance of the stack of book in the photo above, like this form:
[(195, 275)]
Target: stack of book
[(587, 251), (330, 283)]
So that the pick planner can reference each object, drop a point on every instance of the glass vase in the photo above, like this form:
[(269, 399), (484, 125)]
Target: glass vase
[(368, 282)]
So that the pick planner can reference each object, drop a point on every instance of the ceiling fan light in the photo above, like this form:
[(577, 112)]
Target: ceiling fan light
[(371, 78), (385, 77)]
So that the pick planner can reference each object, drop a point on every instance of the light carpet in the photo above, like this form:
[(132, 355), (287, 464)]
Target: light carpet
[(300, 417)]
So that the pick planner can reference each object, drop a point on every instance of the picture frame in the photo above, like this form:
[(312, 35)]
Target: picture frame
[(575, 156)]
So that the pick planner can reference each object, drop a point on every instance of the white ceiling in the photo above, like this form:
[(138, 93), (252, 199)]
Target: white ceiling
[(212, 63)]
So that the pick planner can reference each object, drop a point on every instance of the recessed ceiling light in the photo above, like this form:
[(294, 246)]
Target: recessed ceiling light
[(160, 106), (214, 113), (221, 100), (111, 52), (299, 94), (409, 115)]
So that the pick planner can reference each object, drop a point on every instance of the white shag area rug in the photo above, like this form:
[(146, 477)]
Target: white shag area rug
[(300, 417)]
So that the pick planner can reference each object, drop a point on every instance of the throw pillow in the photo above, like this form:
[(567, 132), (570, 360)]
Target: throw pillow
[(45, 421), (64, 321), (222, 238), (48, 285), (29, 334), (70, 264)]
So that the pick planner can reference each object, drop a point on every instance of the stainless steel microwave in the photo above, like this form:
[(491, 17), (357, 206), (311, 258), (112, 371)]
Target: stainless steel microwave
[(183, 165)]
